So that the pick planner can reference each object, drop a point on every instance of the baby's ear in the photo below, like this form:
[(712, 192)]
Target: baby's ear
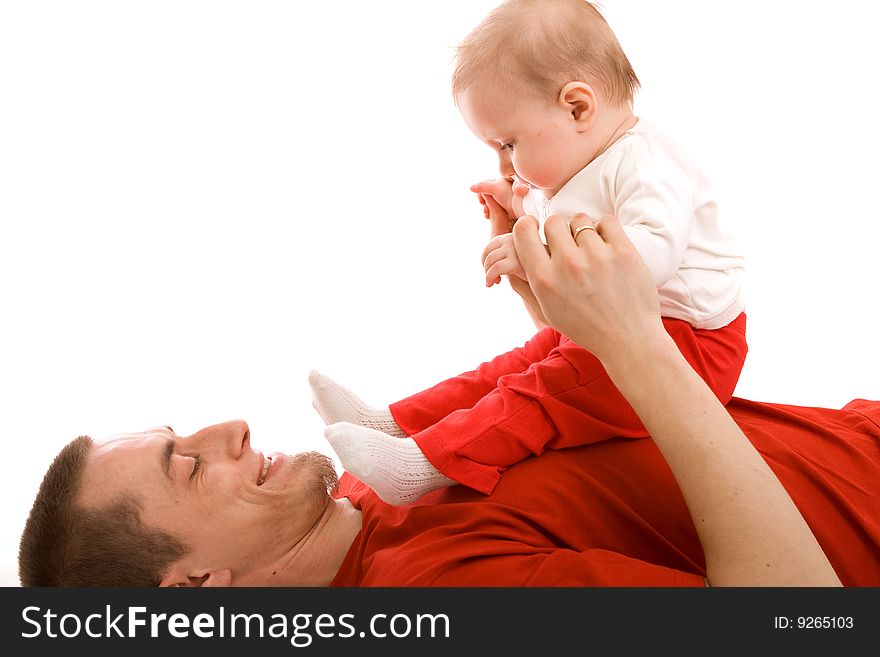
[(580, 100)]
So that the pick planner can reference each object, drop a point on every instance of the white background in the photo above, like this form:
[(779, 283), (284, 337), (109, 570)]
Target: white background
[(202, 201)]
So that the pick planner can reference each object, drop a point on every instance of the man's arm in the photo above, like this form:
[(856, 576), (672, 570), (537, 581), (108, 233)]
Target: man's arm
[(533, 308), (599, 292), (561, 567)]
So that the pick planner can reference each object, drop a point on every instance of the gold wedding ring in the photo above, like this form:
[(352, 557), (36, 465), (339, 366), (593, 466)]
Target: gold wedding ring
[(577, 231)]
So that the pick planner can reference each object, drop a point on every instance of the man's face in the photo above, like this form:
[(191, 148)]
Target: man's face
[(233, 507)]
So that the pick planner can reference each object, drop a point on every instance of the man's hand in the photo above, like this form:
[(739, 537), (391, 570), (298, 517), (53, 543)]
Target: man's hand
[(596, 289)]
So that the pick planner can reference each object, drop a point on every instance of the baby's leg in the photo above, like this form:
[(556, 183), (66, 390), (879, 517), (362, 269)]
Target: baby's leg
[(565, 400), (374, 448), (395, 468), (470, 445), (426, 408), (335, 403)]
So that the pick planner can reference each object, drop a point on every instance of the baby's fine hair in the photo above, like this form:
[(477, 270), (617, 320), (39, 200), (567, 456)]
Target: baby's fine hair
[(540, 46)]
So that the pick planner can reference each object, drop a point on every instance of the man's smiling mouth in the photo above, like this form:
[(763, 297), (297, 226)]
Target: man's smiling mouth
[(267, 461)]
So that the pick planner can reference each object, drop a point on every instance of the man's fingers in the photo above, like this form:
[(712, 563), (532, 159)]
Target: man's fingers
[(610, 230), (583, 229), (529, 248), (557, 230)]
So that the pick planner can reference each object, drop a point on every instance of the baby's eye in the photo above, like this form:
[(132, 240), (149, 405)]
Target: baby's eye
[(507, 147)]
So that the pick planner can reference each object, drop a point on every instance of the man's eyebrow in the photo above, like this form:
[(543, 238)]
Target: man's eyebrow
[(165, 459)]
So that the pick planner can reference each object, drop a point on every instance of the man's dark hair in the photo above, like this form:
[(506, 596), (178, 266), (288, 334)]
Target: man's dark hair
[(66, 544)]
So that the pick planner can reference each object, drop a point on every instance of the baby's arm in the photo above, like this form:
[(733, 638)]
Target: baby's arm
[(500, 190), (501, 225), (500, 259), (655, 207), (499, 256), (507, 193)]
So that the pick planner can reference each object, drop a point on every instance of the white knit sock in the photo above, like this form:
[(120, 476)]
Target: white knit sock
[(393, 467), (335, 403)]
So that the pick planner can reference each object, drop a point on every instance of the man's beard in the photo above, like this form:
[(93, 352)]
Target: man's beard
[(319, 471)]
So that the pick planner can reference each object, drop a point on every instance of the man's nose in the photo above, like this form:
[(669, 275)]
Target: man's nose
[(228, 438)]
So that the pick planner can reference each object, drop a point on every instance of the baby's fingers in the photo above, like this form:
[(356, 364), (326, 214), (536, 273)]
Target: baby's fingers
[(504, 267), (501, 261), (484, 204), (485, 187)]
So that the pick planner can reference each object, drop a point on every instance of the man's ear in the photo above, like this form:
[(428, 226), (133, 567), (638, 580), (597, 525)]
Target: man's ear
[(579, 99), (178, 578)]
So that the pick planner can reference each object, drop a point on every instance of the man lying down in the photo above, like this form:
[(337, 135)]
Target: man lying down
[(159, 509), (777, 495)]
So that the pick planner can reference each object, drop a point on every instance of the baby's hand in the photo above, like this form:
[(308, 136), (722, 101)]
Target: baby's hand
[(500, 189), (499, 259), (519, 193)]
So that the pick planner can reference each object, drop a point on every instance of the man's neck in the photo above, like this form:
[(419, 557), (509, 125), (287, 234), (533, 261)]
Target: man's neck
[(315, 560)]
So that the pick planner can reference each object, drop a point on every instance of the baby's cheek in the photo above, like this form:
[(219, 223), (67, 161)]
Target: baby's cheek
[(542, 177)]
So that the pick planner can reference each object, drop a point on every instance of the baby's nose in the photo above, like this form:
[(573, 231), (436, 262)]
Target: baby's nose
[(505, 167)]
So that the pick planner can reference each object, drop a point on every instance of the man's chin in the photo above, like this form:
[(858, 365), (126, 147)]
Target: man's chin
[(318, 470)]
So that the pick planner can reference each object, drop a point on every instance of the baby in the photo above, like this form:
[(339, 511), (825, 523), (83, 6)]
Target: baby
[(546, 84)]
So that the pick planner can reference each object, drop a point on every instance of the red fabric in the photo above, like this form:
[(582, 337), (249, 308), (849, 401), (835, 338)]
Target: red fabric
[(611, 514), (549, 394)]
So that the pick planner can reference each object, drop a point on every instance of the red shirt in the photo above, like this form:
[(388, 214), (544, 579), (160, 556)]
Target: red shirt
[(611, 514)]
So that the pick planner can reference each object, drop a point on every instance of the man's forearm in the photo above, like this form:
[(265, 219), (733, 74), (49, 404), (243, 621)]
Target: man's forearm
[(752, 534), (523, 289), (598, 291)]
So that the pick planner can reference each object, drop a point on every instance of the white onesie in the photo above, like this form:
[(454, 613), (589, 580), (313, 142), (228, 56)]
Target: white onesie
[(665, 205)]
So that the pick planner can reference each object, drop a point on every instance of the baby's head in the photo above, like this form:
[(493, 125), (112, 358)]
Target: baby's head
[(545, 83)]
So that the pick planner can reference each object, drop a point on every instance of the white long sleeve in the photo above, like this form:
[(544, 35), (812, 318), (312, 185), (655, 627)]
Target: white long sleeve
[(665, 205)]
